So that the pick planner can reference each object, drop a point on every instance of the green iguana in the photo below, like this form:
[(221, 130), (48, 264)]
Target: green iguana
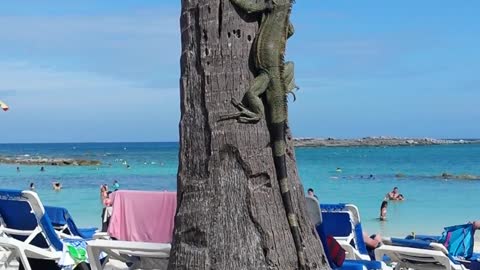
[(275, 79)]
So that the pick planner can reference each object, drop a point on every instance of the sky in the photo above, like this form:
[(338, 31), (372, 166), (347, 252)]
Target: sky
[(100, 71)]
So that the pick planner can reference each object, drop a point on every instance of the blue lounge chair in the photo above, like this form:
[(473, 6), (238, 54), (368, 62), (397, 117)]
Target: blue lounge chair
[(418, 254), (313, 208), (28, 232), (63, 222), (342, 221), (458, 240)]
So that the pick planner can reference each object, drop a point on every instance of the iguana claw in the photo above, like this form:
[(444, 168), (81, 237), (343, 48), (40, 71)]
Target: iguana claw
[(243, 116)]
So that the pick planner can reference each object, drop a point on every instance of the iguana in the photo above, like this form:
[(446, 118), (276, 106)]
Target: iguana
[(275, 79)]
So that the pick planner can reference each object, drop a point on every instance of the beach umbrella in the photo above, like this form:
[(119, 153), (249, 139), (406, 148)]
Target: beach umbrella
[(3, 105)]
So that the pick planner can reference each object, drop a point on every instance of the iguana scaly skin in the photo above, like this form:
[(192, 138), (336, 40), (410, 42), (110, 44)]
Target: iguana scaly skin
[(275, 79)]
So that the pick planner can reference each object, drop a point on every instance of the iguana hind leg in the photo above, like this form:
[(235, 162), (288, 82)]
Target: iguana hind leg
[(251, 110)]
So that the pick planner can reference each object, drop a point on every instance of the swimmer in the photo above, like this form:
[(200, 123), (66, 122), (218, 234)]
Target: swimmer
[(57, 186)]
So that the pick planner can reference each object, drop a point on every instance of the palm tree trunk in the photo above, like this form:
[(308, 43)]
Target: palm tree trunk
[(230, 213)]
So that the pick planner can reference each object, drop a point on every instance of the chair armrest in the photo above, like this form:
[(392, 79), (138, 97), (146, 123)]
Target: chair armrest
[(352, 253), (124, 251), (16, 232), (101, 235)]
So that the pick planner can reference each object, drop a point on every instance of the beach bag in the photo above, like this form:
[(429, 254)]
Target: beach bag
[(335, 250), (458, 240)]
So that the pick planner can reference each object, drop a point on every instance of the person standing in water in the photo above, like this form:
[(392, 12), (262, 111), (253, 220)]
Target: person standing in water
[(116, 185), (383, 210)]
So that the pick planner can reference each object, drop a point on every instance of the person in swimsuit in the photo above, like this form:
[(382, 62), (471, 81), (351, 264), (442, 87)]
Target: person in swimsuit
[(393, 195), (383, 210)]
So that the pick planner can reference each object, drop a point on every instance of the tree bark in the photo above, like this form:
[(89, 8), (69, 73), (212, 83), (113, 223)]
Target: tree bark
[(230, 213)]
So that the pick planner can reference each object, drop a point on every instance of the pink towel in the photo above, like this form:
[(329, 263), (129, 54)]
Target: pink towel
[(145, 216)]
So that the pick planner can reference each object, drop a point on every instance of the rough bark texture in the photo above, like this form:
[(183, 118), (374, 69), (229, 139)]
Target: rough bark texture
[(230, 213)]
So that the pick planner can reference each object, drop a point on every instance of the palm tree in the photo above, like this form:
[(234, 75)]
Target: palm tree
[(230, 213)]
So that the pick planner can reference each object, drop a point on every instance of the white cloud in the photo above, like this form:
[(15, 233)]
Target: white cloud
[(40, 86), (138, 45), (49, 30)]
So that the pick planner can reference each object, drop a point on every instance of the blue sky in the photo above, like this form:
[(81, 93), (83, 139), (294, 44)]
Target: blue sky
[(109, 70)]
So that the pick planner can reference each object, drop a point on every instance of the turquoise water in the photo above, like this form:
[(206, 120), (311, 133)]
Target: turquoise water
[(431, 203)]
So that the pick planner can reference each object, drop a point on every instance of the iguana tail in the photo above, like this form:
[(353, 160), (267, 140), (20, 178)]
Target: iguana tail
[(279, 159)]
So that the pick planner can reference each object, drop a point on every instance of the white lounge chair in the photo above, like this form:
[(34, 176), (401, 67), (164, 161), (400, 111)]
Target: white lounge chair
[(417, 254), (144, 247), (27, 231), (28, 235), (342, 221), (128, 252), (313, 208)]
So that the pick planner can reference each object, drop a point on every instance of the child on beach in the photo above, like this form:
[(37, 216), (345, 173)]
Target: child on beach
[(383, 210)]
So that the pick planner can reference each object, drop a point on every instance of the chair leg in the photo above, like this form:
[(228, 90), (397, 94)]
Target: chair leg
[(95, 263), (23, 261)]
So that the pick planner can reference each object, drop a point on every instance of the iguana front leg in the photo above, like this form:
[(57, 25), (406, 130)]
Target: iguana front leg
[(250, 6), (288, 76), (291, 30), (251, 110)]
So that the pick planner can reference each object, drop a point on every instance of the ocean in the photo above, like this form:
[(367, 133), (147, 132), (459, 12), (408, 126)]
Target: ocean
[(364, 176)]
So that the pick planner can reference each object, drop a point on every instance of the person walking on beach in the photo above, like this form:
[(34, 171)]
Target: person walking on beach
[(383, 210)]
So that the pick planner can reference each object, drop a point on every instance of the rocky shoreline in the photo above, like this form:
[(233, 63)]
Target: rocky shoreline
[(48, 161), (375, 141)]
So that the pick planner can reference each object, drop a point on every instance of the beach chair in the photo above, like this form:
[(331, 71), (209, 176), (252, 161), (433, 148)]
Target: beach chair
[(142, 222), (27, 232), (417, 254), (342, 221), (313, 209), (64, 224), (129, 252), (456, 241)]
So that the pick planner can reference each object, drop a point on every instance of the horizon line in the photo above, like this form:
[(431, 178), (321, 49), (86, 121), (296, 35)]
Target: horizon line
[(299, 137)]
